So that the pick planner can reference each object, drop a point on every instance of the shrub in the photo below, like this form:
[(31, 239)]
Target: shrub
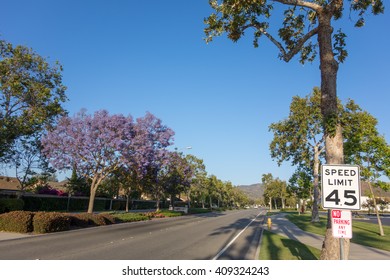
[(11, 204), (167, 213), (109, 220), (80, 220), (86, 219), (156, 214), (130, 217), (45, 222), (17, 221), (46, 189), (98, 219)]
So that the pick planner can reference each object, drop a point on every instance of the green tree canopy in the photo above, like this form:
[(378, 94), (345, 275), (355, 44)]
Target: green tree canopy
[(31, 94)]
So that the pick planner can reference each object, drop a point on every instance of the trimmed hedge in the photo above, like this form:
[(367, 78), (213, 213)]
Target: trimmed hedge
[(45, 222), (85, 219), (130, 217), (11, 204), (17, 221)]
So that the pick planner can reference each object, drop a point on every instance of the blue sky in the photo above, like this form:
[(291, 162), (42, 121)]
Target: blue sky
[(132, 56)]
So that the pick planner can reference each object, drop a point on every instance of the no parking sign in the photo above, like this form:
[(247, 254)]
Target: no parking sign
[(342, 224)]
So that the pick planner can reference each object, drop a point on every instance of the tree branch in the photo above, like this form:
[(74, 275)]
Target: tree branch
[(301, 3), (287, 56)]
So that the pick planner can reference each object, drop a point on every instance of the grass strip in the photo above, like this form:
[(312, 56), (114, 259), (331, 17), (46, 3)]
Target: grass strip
[(278, 247), (363, 233)]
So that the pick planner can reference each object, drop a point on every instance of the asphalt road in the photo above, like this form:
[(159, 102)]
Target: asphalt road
[(226, 235)]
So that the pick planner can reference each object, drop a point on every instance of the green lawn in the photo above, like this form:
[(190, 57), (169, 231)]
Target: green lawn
[(277, 247), (362, 233)]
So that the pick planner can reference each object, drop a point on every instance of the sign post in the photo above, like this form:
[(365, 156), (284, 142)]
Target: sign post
[(341, 190), (342, 227)]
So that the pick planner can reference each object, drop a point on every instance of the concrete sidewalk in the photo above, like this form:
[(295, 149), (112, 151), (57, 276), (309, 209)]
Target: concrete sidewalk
[(13, 235), (281, 225)]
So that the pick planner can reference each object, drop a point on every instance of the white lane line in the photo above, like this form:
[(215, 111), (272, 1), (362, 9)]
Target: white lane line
[(234, 239)]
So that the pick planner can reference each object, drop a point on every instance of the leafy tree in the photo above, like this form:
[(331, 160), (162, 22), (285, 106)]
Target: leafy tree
[(93, 144), (301, 185), (197, 188), (28, 162), (269, 193), (101, 144), (178, 175), (148, 156), (77, 185), (212, 189), (124, 179), (303, 22), (238, 198), (368, 149), (31, 93), (300, 139), (383, 203), (274, 189)]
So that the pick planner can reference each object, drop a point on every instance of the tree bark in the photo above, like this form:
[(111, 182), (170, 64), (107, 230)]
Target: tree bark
[(91, 199), (332, 128), (381, 232), (158, 204), (127, 202)]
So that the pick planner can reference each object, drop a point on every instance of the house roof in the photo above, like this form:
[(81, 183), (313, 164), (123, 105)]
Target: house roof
[(12, 183), (365, 190), (9, 183)]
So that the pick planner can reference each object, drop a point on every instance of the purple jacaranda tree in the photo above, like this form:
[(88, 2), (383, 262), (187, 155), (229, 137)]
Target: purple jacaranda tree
[(95, 144), (149, 154), (146, 157)]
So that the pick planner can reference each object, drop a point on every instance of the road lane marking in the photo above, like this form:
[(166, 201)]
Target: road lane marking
[(235, 238)]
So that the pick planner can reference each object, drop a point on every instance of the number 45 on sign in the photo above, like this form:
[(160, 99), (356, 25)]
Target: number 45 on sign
[(340, 187)]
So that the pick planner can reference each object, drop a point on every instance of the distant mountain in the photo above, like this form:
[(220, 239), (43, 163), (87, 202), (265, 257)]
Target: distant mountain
[(254, 191)]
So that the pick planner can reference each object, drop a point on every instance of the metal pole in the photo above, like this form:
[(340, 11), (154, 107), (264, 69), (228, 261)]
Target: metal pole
[(341, 248)]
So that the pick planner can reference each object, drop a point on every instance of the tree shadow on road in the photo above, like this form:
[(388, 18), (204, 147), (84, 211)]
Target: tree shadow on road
[(277, 247)]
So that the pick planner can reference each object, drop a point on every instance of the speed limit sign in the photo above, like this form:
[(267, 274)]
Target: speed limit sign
[(340, 186)]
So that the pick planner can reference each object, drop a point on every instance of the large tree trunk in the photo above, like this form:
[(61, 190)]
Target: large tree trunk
[(332, 127), (127, 202), (91, 199), (189, 199), (316, 193), (97, 179)]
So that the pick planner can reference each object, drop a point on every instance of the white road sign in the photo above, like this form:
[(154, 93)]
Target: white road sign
[(342, 224), (340, 187)]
